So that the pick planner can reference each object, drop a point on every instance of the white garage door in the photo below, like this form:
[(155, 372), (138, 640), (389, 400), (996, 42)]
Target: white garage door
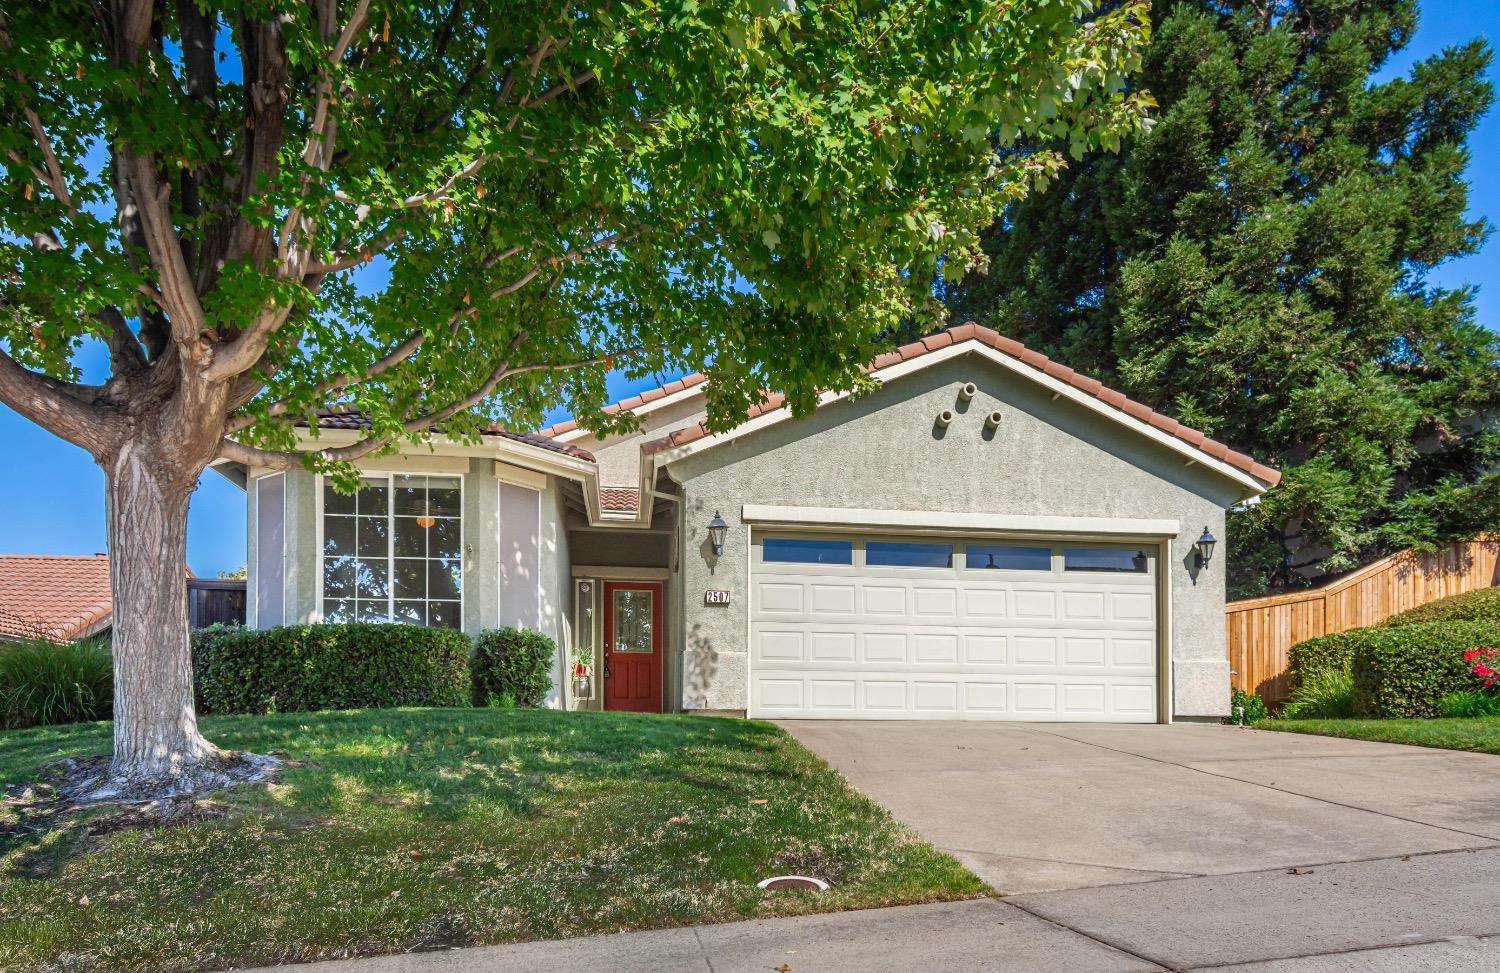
[(889, 627)]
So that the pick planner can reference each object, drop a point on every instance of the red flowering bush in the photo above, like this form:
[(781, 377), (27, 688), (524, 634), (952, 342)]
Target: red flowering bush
[(1480, 661)]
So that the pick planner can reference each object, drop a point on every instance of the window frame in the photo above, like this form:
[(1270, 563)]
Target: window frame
[(389, 476)]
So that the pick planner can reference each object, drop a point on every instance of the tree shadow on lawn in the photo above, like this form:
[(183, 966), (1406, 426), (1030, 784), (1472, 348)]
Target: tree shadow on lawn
[(427, 764)]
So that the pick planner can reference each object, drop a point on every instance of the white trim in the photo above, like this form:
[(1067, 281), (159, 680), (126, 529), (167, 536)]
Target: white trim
[(607, 573), (1057, 387), (843, 518), (644, 409), (519, 476), (416, 463), (1165, 694)]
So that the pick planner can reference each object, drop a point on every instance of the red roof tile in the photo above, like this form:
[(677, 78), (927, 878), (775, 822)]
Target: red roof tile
[(354, 419), (634, 402), (969, 331), (619, 498), (53, 596)]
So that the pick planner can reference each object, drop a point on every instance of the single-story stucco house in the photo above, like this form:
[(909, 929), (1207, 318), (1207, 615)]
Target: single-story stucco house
[(987, 535)]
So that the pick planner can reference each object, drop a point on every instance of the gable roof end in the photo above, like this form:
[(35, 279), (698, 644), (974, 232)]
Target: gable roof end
[(1012, 348)]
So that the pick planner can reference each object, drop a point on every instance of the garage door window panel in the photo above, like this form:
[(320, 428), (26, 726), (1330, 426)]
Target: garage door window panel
[(807, 550), (1001, 557), (1113, 560), (908, 554)]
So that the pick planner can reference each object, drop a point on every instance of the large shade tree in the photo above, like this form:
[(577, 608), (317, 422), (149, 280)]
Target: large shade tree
[(446, 212), (1257, 264)]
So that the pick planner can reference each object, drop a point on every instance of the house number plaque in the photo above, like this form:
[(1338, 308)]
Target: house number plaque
[(715, 596)]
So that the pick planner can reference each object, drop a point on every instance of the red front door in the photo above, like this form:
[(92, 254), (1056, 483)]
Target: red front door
[(632, 646)]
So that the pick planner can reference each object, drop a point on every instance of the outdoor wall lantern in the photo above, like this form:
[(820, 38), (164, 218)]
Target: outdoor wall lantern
[(717, 528), (1205, 545)]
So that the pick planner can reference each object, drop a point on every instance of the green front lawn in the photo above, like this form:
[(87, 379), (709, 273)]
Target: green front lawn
[(420, 829), (1481, 734)]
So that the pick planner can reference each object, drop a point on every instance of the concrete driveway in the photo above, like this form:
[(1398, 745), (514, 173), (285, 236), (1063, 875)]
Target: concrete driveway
[(1196, 847)]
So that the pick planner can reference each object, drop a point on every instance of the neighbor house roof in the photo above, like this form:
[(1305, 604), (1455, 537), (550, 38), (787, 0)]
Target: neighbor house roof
[(634, 402), (354, 419), (992, 339), (54, 596)]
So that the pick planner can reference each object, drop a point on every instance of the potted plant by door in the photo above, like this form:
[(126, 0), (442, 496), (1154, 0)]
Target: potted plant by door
[(583, 675)]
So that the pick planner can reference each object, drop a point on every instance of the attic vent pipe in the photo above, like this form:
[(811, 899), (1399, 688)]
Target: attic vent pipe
[(944, 417), (992, 420), (967, 391)]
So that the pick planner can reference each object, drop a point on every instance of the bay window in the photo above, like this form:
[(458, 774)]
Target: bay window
[(393, 552)]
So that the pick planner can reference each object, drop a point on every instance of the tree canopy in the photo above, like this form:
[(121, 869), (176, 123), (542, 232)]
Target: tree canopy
[(537, 190), (1256, 265), (444, 212)]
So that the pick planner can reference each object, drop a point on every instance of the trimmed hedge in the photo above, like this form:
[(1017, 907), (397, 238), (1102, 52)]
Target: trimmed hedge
[(346, 666), (204, 641), (1311, 658), (512, 667), (1406, 671), (1480, 605)]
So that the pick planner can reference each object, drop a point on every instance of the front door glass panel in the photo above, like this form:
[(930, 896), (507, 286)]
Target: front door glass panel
[(632, 628)]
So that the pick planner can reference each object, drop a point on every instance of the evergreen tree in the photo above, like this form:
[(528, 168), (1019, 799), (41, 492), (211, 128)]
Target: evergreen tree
[(1256, 266)]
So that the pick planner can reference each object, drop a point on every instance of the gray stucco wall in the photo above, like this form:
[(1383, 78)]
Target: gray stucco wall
[(619, 457), (882, 452)]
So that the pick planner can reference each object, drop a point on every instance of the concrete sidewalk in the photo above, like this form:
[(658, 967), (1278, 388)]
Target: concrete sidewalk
[(1256, 924)]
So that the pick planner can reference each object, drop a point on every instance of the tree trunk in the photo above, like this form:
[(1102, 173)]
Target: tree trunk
[(157, 743)]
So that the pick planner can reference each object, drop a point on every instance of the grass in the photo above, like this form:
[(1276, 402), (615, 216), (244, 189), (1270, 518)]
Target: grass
[(418, 829), (1481, 734)]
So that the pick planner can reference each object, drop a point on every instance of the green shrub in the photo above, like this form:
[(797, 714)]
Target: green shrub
[(347, 666), (1245, 707), (1468, 704), (1480, 605), (1406, 671), (204, 641), (512, 667), (1327, 653), (44, 683), (1327, 694)]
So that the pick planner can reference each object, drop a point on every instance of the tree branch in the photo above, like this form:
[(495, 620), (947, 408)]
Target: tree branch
[(53, 177), (396, 356), (124, 348), (56, 406)]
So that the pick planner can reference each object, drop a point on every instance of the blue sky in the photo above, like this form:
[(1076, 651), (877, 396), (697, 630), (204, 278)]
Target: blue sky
[(54, 494)]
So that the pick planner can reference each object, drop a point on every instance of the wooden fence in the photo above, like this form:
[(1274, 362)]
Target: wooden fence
[(213, 600), (1261, 630)]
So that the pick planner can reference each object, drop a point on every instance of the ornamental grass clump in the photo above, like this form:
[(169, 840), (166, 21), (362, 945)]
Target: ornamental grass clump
[(44, 682)]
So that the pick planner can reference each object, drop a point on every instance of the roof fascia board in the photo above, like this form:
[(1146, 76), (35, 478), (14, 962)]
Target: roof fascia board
[(1058, 388), (644, 409), (517, 453), (843, 518)]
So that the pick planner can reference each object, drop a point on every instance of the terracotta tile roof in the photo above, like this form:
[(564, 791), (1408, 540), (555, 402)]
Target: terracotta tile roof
[(1009, 346), (619, 498), (53, 596), (634, 402), (354, 419)]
